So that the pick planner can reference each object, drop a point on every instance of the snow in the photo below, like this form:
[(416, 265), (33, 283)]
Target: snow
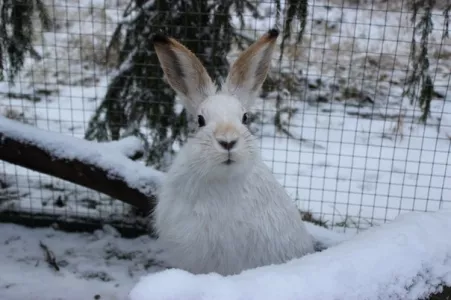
[(326, 237), (101, 263), (89, 264), (408, 258), (128, 146)]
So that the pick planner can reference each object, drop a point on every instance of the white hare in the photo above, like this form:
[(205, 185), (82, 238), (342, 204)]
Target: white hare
[(220, 208)]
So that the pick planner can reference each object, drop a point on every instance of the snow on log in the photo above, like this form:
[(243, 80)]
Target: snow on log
[(104, 167), (408, 259), (130, 146)]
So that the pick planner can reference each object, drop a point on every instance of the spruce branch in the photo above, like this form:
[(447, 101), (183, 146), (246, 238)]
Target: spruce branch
[(17, 33), (418, 78)]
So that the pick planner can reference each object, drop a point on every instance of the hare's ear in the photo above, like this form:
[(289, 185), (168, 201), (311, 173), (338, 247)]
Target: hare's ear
[(249, 71), (184, 72)]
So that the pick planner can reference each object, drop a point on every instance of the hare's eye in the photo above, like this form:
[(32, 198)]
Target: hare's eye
[(244, 120), (201, 120)]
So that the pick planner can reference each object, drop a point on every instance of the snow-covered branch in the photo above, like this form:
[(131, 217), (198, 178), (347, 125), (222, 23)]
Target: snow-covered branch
[(409, 259), (104, 167)]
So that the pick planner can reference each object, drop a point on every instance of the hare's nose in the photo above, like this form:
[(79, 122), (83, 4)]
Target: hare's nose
[(227, 145)]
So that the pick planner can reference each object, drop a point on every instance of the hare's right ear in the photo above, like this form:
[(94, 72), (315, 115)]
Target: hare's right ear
[(249, 71), (184, 72)]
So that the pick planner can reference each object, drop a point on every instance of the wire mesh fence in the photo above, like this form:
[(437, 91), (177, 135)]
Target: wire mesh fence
[(352, 119)]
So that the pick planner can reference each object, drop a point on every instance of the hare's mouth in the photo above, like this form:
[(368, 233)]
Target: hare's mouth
[(228, 161)]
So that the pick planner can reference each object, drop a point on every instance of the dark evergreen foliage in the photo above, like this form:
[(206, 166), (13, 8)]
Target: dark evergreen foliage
[(17, 31), (419, 83), (295, 10)]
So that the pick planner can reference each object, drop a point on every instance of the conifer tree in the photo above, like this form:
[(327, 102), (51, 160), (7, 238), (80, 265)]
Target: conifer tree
[(17, 32), (419, 83)]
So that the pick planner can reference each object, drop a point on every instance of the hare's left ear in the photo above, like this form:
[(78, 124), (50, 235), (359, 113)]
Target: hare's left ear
[(249, 71), (184, 72)]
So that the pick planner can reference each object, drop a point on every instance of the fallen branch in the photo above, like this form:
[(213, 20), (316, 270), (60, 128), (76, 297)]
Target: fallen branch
[(131, 227), (103, 167)]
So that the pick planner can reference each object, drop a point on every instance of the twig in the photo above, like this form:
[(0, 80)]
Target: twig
[(49, 256), (300, 139)]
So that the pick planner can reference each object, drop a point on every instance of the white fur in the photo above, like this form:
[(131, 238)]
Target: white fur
[(214, 217)]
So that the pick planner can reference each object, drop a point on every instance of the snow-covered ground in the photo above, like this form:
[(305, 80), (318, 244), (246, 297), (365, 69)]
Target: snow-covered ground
[(81, 265), (406, 259), (48, 264), (356, 156)]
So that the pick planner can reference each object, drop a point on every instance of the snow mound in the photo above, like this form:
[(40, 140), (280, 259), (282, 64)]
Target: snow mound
[(408, 258)]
